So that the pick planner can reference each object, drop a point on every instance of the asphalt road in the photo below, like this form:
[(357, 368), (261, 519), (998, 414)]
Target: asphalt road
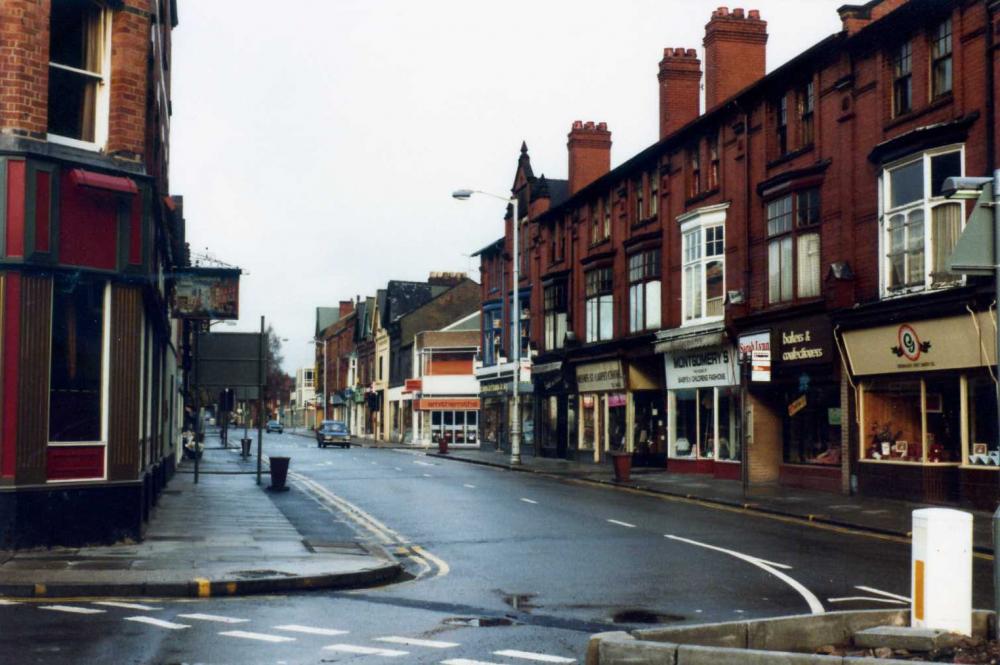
[(501, 568)]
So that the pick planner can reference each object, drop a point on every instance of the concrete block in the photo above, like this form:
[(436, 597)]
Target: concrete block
[(617, 651), (594, 645), (808, 632), (732, 634), (905, 637), (983, 624), (695, 655)]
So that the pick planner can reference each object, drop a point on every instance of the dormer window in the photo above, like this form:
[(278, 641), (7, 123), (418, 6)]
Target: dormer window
[(79, 68)]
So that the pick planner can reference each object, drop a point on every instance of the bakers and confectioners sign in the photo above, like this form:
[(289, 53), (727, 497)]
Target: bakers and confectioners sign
[(803, 341)]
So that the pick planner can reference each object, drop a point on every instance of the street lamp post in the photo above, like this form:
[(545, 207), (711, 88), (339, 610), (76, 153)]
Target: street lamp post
[(515, 428)]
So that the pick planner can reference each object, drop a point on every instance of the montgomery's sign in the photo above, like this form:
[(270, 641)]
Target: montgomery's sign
[(700, 368)]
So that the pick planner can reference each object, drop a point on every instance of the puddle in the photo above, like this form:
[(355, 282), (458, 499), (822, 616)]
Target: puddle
[(644, 616)]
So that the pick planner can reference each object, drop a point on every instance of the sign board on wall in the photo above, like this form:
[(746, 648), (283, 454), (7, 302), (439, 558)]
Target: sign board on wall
[(600, 377), (701, 368), (756, 348), (803, 341), (207, 293), (954, 342), (447, 404)]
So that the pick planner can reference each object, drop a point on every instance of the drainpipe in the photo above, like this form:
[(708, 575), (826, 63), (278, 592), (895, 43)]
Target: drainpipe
[(744, 367), (991, 6)]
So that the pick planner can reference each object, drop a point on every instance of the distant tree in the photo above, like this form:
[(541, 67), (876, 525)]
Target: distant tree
[(278, 383)]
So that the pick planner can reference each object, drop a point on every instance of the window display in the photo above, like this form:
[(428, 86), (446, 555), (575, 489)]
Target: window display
[(649, 430), (616, 421), (589, 422), (895, 413), (983, 441), (812, 433), (705, 424)]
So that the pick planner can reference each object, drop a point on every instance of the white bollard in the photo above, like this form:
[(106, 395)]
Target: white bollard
[(941, 569)]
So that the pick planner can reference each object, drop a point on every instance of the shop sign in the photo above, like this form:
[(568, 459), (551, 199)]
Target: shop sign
[(495, 388), (700, 368), (760, 366), (954, 342), (413, 385), (599, 377), (759, 341), (616, 399), (797, 405), (447, 404), (804, 341)]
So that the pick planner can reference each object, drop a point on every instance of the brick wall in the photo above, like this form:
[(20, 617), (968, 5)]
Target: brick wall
[(129, 81), (24, 69), (735, 53)]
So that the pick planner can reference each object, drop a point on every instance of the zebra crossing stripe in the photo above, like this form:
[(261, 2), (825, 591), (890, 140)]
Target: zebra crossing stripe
[(159, 623), (309, 630), (260, 637), (365, 651), (466, 661), (71, 610), (127, 606), (212, 617), (530, 655), (412, 641)]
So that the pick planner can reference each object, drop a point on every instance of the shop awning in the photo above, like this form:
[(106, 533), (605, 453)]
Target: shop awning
[(111, 183), (685, 339)]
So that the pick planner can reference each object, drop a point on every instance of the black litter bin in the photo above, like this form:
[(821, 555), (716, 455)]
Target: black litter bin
[(279, 474), (246, 447)]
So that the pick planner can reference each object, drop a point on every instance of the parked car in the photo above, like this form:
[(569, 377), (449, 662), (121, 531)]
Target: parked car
[(333, 433), (275, 426)]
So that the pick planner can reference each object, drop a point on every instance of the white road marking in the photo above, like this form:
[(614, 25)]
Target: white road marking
[(8, 602), (397, 468), (127, 606), (414, 642), (466, 661), (212, 617), (159, 623), (869, 599), (529, 655), (309, 630), (528, 500), (427, 475), (471, 487), (72, 610), (365, 651), (815, 606), (631, 526), (260, 637), (422, 463), (879, 592)]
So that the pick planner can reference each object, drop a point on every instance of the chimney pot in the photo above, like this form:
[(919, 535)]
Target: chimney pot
[(680, 81), (589, 148), (735, 53), (721, 12), (755, 14)]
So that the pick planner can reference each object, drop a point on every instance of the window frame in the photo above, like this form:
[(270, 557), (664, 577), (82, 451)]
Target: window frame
[(641, 275), (554, 304), (654, 193), (807, 114), (927, 204), (598, 294), (902, 78), (102, 96), (699, 221), (942, 36), (713, 163), (781, 124), (694, 170), (640, 210), (801, 224)]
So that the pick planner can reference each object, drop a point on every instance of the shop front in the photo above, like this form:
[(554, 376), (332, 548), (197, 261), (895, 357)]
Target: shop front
[(603, 409), (926, 409), (556, 405), (703, 429), (451, 419), (647, 412), (496, 391)]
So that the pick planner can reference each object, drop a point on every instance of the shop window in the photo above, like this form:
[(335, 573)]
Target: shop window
[(555, 316), (811, 432), (793, 250), (76, 379), (654, 193), (781, 125), (941, 68), (590, 422), (703, 277), (894, 413), (548, 422), (704, 422), (921, 226), (644, 290), (983, 439), (527, 422), (807, 107), (649, 431), (902, 79), (617, 430), (79, 64), (600, 305)]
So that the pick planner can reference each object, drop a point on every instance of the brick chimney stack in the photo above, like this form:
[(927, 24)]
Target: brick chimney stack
[(680, 81), (735, 53), (589, 153), (346, 307)]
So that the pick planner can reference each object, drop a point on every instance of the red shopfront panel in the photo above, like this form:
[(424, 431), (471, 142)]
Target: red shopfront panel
[(43, 203), (75, 462), (10, 355), (88, 224), (15, 208), (135, 232)]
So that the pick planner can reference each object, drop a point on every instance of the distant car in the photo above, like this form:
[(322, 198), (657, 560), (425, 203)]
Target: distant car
[(333, 433), (275, 426)]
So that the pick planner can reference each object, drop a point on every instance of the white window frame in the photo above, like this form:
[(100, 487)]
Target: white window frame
[(698, 221), (102, 100), (927, 205)]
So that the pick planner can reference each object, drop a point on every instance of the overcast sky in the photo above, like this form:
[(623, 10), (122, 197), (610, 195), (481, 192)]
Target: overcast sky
[(317, 142)]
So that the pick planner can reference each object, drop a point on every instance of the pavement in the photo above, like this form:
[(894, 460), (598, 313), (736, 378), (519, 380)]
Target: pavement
[(221, 536)]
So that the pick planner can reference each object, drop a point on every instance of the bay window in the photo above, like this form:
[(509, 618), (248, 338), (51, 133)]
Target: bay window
[(793, 256), (79, 65), (600, 305), (921, 227), (703, 278), (555, 316), (644, 290)]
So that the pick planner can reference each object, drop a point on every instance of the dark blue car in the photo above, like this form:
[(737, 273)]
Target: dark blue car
[(333, 433)]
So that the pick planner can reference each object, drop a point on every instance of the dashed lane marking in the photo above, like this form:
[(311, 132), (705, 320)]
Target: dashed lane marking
[(365, 651), (879, 592), (397, 468), (159, 623), (422, 463), (8, 602), (127, 606), (466, 661), (530, 655), (310, 630), (471, 487), (625, 524), (260, 637), (212, 617), (414, 642), (71, 610), (528, 500)]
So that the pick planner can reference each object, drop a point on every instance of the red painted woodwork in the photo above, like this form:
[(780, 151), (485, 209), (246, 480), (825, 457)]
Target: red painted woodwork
[(728, 471), (43, 203), (15, 208), (75, 462), (135, 232), (677, 465), (111, 183), (822, 478), (11, 351), (88, 226)]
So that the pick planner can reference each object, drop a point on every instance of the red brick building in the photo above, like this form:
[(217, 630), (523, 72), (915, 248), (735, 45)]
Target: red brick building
[(89, 372), (799, 214)]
